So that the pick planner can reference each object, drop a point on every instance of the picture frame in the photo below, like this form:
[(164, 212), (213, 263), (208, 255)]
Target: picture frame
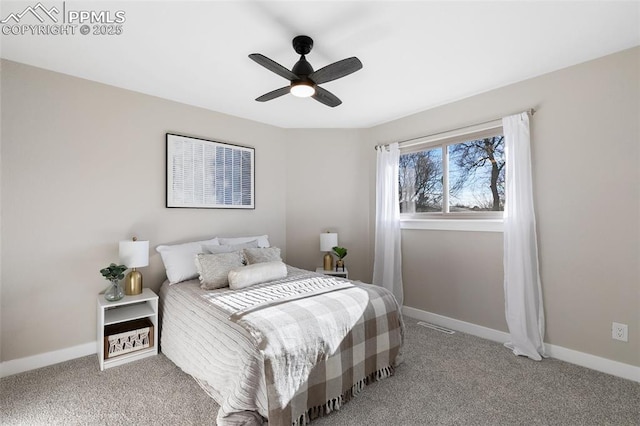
[(203, 173)]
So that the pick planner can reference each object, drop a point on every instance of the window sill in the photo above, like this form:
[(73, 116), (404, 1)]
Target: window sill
[(478, 225)]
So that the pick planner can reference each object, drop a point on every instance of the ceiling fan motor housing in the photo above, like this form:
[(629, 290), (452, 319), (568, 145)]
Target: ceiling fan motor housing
[(302, 45), (302, 68)]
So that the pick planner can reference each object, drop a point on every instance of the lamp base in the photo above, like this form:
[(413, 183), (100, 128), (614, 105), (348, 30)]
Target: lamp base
[(133, 283), (328, 262)]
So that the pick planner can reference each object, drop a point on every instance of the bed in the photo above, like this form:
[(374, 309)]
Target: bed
[(287, 350)]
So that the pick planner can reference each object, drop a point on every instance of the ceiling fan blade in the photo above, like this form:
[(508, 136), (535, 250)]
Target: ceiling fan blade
[(326, 97), (336, 70), (273, 94), (273, 66)]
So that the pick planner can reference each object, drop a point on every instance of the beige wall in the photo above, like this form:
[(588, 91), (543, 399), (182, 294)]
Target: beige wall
[(57, 132), (327, 189), (83, 166), (585, 148), (455, 274)]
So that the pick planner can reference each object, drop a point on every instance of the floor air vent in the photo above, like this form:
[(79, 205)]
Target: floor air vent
[(436, 327)]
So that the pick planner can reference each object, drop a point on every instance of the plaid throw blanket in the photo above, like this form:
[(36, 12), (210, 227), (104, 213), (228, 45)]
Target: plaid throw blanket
[(329, 340)]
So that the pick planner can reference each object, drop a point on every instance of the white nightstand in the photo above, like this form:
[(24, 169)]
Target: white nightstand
[(129, 308), (333, 272)]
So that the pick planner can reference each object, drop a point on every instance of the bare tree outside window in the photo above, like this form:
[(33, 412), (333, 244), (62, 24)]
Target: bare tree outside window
[(474, 182), (421, 181), (476, 175)]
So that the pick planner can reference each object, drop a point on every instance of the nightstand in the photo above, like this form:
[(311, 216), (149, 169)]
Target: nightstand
[(333, 272), (128, 309)]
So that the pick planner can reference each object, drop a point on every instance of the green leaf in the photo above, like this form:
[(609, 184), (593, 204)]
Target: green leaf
[(341, 252), (113, 271)]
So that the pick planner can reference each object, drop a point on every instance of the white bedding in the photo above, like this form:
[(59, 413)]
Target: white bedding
[(220, 354), (203, 343)]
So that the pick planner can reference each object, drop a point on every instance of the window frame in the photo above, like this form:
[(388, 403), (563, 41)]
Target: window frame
[(487, 221)]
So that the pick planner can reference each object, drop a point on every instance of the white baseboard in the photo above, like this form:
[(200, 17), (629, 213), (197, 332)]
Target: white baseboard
[(593, 362), (19, 365), (605, 365), (454, 324)]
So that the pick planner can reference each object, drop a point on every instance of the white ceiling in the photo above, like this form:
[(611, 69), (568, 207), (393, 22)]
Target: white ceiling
[(416, 55)]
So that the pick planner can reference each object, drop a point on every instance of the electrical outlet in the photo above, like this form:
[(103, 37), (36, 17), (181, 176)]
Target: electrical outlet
[(619, 332)]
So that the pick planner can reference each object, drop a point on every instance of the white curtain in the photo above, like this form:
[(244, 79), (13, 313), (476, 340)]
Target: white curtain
[(522, 289), (387, 266)]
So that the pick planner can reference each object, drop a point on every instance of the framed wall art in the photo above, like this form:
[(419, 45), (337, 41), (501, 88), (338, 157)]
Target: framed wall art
[(207, 174)]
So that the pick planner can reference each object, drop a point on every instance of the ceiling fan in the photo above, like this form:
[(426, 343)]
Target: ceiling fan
[(304, 80)]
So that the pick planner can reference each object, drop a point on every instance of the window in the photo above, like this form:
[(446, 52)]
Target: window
[(456, 177)]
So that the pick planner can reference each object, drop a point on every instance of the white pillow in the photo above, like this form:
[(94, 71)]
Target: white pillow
[(214, 268), (260, 255), (263, 240), (256, 274), (215, 248), (179, 259)]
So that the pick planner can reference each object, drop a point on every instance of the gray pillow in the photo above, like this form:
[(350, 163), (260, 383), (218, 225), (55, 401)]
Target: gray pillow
[(214, 249), (214, 268), (261, 255)]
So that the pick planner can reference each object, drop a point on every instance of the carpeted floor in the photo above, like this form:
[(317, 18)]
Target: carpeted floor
[(445, 380)]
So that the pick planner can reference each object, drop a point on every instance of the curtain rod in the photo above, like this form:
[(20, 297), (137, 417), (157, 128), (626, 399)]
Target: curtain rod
[(530, 111)]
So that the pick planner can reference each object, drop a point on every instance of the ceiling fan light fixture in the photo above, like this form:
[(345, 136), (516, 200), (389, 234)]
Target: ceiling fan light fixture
[(302, 89)]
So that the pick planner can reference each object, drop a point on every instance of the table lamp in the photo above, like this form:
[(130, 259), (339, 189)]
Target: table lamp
[(328, 241), (134, 254)]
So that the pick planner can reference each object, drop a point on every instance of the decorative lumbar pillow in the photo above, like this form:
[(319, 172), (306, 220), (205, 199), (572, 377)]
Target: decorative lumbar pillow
[(178, 259), (214, 268), (263, 240), (261, 255), (256, 274)]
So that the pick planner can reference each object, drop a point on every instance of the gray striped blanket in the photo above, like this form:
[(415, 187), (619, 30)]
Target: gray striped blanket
[(240, 302), (322, 340)]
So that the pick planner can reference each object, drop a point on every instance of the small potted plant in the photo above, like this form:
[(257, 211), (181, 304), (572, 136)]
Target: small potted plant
[(113, 273), (341, 253)]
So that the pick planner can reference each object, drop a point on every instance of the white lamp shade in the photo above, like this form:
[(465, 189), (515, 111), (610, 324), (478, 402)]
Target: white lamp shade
[(134, 254), (328, 241)]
